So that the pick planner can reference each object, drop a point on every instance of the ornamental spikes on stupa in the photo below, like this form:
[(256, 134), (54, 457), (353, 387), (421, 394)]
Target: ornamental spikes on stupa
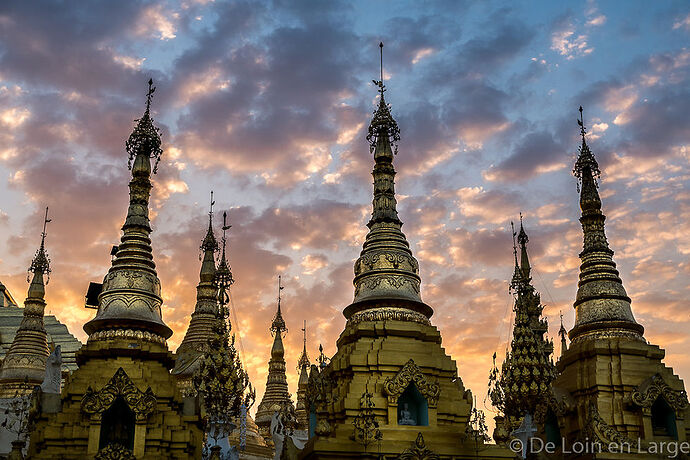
[(602, 306), (202, 320), (386, 269), (25, 363), (131, 296), (563, 334), (276, 395), (523, 384), (303, 366), (220, 379)]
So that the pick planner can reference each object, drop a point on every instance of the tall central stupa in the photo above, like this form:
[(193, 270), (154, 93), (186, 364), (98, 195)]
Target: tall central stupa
[(390, 388), (123, 402)]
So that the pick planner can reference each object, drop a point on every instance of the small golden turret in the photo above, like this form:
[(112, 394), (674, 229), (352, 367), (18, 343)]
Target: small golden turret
[(303, 366), (276, 394), (602, 306), (195, 341), (25, 363)]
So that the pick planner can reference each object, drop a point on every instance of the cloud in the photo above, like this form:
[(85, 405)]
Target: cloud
[(682, 23), (536, 153), (567, 41)]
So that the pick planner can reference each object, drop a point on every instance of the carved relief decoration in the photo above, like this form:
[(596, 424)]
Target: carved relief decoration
[(114, 452), (649, 391), (419, 451), (388, 313), (142, 403), (596, 429), (410, 373)]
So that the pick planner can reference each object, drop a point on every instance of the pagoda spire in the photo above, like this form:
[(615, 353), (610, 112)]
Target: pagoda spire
[(518, 282), (523, 383), (276, 395), (278, 325), (303, 362), (223, 279), (524, 258), (131, 297), (562, 333), (203, 318), (602, 306), (386, 270), (303, 367), (25, 363)]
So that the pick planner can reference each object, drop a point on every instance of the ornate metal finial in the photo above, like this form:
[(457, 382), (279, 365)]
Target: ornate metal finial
[(585, 159), (278, 325), (304, 357), (562, 333), (223, 277), (382, 86), (323, 359), (522, 237), (149, 94), (518, 279), (383, 125), (41, 262), (145, 139), (210, 211), (209, 243)]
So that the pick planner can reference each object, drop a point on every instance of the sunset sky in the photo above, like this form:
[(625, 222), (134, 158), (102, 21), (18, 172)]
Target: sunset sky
[(267, 104)]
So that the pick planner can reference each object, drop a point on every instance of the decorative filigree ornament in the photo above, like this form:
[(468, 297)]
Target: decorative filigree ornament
[(419, 451), (223, 278), (278, 324), (41, 261), (388, 314), (596, 429), (654, 387), (411, 373), (320, 386), (209, 242), (585, 158), (142, 403), (366, 427), (383, 124), (115, 451), (476, 428), (145, 139), (522, 385)]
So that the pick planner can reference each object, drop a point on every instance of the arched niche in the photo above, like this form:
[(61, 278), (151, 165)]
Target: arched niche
[(552, 430), (117, 425), (312, 421), (411, 376), (663, 419), (413, 408)]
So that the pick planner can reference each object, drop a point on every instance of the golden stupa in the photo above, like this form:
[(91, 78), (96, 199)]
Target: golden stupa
[(190, 353), (200, 328), (613, 386), (24, 365), (390, 389), (123, 402), (276, 396)]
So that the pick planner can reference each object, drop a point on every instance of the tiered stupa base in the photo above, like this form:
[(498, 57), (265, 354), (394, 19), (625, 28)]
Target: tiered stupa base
[(382, 357), (168, 429), (605, 393)]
